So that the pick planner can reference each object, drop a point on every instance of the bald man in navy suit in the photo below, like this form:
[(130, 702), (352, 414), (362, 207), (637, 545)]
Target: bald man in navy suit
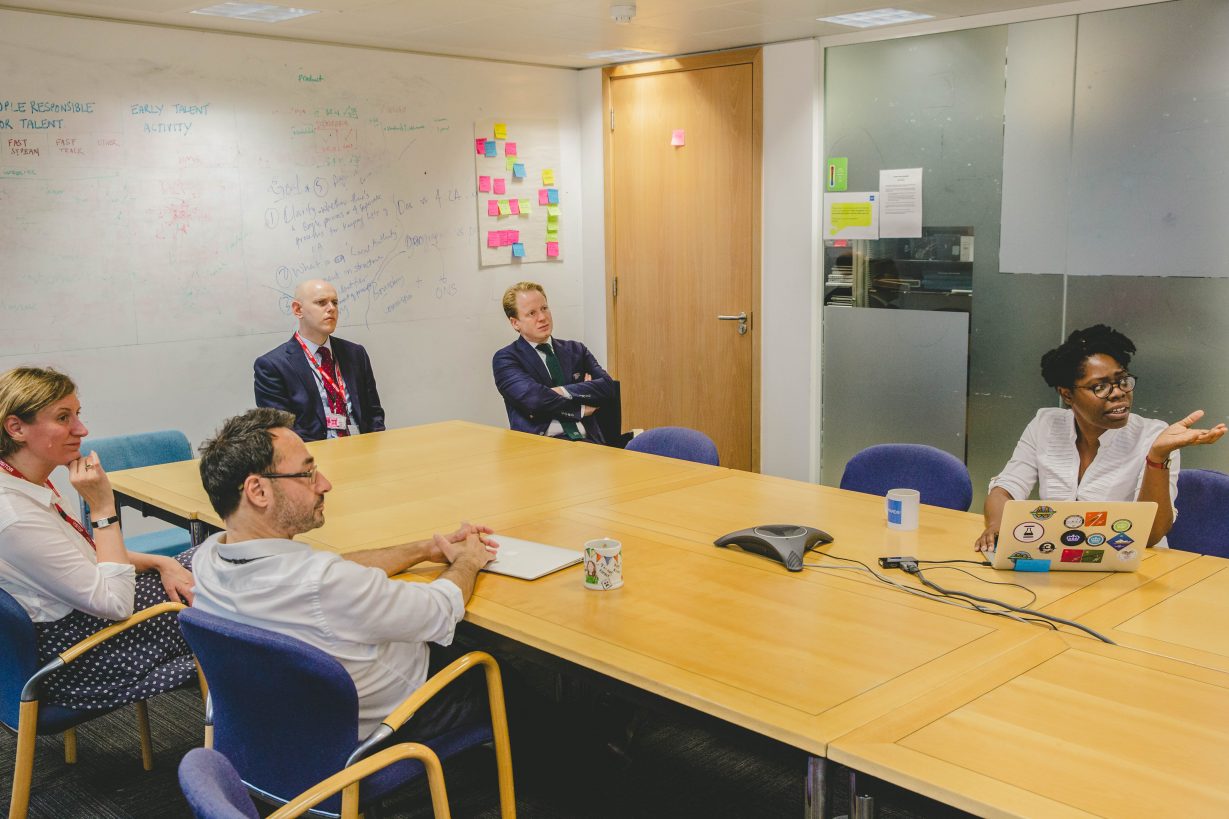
[(551, 386), (325, 382)]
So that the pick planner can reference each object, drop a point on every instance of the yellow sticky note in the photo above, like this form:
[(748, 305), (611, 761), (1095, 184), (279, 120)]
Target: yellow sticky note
[(552, 235), (552, 219), (504, 208), (850, 214), (552, 211), (548, 176), (524, 207), (501, 130)]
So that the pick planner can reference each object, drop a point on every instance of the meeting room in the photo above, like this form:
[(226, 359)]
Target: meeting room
[(614, 409)]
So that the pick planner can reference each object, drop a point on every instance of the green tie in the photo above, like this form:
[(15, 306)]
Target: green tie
[(556, 374)]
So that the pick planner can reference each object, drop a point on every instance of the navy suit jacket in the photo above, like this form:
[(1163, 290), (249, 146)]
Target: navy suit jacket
[(284, 380), (525, 383)]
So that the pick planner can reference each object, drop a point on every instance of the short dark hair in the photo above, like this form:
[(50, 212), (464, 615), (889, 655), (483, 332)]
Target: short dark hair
[(1064, 365), (242, 447)]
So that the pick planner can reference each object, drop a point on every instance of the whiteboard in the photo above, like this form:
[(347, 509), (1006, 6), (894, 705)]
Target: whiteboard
[(162, 191)]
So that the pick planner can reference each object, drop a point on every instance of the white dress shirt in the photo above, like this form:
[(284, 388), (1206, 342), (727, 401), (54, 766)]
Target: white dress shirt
[(48, 567), (314, 349), (1046, 457), (555, 429), (376, 627)]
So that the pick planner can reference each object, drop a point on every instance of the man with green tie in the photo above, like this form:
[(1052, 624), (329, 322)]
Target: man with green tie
[(550, 386)]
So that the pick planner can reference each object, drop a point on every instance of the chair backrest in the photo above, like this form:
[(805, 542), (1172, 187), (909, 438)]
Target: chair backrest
[(676, 442), (18, 656), (284, 713), (1202, 524), (139, 449), (940, 477), (213, 788)]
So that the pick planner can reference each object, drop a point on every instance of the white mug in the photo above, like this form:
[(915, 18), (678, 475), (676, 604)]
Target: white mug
[(603, 564), (902, 508)]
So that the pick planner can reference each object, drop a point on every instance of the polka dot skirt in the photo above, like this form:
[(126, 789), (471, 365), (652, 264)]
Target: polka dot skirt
[(145, 660)]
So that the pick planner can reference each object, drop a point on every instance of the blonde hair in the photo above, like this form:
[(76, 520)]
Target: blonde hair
[(510, 296), (24, 391)]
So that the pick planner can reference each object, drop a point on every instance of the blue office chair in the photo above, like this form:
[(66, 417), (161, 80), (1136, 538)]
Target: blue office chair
[(939, 476), (296, 722), (143, 449), (676, 442), (214, 790), (20, 682), (1202, 524)]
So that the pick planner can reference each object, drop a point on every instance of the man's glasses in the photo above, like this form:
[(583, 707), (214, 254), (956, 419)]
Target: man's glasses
[(1104, 388), (309, 474)]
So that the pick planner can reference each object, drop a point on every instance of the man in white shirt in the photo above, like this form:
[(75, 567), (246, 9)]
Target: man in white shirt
[(264, 484)]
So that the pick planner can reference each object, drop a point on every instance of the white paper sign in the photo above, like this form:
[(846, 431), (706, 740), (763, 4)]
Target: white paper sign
[(900, 204)]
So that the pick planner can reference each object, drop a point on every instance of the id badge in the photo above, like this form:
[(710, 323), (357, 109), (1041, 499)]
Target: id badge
[(333, 420)]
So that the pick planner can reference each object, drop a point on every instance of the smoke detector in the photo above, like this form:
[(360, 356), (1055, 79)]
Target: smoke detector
[(622, 13)]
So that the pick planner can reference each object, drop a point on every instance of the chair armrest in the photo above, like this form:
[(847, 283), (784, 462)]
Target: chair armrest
[(29, 692), (364, 768), (402, 713)]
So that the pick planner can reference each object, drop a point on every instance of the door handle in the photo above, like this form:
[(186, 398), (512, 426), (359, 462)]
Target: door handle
[(741, 318)]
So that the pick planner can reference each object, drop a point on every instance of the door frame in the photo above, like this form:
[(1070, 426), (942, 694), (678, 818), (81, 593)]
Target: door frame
[(745, 56)]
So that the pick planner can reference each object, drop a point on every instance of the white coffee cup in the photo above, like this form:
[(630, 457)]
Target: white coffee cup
[(603, 564), (902, 508)]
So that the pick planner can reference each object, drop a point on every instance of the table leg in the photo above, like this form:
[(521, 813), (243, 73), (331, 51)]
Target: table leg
[(816, 787), (198, 532)]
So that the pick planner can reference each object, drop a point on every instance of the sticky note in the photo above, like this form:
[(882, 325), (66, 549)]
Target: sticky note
[(518, 250), (501, 130), (484, 184), (480, 145), (543, 196), (510, 149), (552, 235), (493, 238), (552, 196), (552, 250), (514, 205), (504, 208), (497, 185), (552, 211), (488, 148), (518, 170), (514, 236), (678, 138), (552, 222), (548, 176), (524, 207), (492, 208), (509, 163)]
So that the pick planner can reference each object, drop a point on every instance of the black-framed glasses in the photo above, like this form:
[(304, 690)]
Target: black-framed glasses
[(309, 474), (1104, 388)]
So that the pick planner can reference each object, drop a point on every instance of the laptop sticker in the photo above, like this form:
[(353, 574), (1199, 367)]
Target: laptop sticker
[(1127, 554), (1120, 541), (1073, 537), (1121, 525), (1046, 548), (1095, 518), (1073, 521), (1019, 556), (1096, 539), (1028, 532), (1072, 556), (1043, 512), (1092, 556)]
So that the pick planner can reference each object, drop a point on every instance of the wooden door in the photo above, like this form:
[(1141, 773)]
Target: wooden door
[(683, 245)]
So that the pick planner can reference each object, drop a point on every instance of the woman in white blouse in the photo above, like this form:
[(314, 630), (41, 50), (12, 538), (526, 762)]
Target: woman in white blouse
[(1095, 449), (70, 580)]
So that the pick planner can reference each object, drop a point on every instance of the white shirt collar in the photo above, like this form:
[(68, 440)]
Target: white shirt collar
[(40, 494), (314, 348), (259, 547)]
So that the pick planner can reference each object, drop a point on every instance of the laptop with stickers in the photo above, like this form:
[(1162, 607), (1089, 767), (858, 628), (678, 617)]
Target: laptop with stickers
[(1073, 536)]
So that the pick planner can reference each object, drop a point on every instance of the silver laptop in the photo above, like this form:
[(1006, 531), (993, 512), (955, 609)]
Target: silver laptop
[(529, 560), (1075, 536)]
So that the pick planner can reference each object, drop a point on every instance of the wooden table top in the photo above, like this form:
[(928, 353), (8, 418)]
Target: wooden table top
[(1061, 726)]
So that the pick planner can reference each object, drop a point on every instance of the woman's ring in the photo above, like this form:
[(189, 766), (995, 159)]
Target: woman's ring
[(89, 466)]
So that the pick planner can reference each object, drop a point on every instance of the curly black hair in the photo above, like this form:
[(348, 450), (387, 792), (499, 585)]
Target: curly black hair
[(1063, 365)]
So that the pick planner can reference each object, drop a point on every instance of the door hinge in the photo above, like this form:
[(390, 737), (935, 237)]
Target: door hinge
[(614, 287), (612, 119)]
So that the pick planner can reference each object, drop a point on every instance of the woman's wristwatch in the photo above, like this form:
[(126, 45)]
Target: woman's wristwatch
[(103, 523)]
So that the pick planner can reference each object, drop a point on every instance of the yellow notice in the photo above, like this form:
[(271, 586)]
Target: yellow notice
[(850, 215), (501, 130)]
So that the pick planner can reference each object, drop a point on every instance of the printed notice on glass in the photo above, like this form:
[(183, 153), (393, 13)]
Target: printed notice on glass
[(851, 215), (900, 204)]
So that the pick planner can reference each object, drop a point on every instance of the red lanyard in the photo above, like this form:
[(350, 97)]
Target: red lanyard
[(12, 470), (329, 384)]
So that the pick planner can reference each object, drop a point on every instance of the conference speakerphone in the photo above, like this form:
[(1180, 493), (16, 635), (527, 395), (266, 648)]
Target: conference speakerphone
[(784, 542)]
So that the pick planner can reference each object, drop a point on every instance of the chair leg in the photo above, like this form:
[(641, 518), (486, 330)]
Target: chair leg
[(349, 802), (147, 745), (70, 746), (23, 768), (208, 735)]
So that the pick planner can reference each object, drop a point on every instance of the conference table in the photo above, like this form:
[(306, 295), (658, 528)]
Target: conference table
[(830, 660)]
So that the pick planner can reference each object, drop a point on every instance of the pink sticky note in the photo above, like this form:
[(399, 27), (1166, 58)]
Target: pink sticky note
[(543, 196), (515, 235), (492, 207), (498, 185), (480, 146), (484, 184), (509, 149), (678, 137), (493, 238), (552, 250), (509, 238), (516, 207)]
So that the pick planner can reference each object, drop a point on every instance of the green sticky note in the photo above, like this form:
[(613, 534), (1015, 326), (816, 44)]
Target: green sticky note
[(524, 207), (510, 163), (552, 235), (504, 208), (838, 173), (552, 211), (552, 220)]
